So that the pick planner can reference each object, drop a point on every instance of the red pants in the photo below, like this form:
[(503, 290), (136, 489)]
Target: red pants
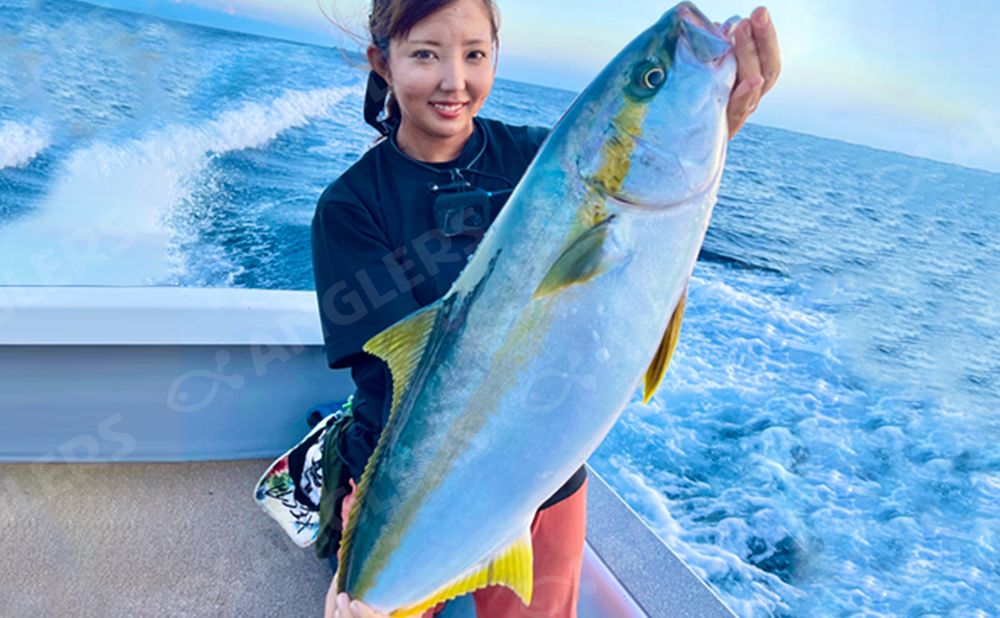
[(557, 536)]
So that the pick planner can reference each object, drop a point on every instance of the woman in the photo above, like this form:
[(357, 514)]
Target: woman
[(393, 232)]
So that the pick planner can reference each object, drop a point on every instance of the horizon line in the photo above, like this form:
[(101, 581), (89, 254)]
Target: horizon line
[(343, 50)]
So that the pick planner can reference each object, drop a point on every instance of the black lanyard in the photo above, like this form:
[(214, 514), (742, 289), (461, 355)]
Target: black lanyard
[(460, 207)]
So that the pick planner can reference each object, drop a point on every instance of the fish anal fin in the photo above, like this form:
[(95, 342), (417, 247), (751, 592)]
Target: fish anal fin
[(658, 368), (510, 567), (586, 257)]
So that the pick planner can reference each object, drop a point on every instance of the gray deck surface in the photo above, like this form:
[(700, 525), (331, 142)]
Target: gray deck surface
[(187, 539), (171, 539)]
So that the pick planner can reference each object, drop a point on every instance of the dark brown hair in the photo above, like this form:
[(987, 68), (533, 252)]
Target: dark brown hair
[(396, 18)]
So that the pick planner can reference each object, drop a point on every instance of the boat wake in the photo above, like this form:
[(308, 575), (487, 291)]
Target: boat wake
[(105, 220)]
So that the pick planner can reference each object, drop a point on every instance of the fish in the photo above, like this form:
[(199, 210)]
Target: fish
[(573, 298)]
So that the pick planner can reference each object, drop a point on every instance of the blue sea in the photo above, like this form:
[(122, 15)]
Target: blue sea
[(826, 440)]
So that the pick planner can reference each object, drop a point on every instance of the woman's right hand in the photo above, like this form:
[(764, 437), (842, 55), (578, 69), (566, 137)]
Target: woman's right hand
[(341, 606)]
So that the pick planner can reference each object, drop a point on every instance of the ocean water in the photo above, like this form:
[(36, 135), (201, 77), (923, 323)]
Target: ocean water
[(826, 439)]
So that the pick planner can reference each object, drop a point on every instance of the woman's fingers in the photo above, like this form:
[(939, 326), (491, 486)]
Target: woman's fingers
[(330, 609), (747, 61), (758, 64), (341, 606), (746, 96), (768, 53), (742, 102), (360, 610)]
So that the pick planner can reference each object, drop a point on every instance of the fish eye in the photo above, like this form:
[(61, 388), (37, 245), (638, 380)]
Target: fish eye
[(653, 78), (647, 78)]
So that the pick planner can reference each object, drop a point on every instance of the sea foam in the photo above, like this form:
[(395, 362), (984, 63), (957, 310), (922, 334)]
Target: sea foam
[(20, 143), (104, 221)]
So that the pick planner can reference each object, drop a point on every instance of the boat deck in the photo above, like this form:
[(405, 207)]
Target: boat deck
[(211, 385), (187, 539)]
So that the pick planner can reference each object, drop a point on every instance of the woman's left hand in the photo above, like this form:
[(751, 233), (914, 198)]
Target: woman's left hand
[(758, 63), (340, 605)]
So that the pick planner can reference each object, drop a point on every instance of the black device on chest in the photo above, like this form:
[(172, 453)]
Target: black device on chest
[(460, 208)]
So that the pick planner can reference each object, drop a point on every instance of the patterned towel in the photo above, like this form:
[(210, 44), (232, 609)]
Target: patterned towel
[(291, 488)]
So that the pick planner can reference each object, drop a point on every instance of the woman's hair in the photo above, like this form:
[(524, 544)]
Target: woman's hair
[(390, 19), (396, 18)]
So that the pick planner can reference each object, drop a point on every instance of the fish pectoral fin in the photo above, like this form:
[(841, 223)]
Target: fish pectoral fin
[(510, 567), (585, 258), (402, 345), (657, 368)]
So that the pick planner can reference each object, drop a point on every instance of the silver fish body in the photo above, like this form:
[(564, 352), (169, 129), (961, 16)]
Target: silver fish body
[(530, 358)]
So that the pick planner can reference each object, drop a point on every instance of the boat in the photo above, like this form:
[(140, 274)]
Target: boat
[(135, 424)]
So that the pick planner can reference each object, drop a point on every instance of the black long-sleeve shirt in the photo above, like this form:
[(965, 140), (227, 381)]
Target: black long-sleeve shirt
[(378, 255)]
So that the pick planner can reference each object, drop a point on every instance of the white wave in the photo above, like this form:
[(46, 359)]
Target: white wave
[(253, 125), (105, 220), (749, 591), (782, 313), (20, 143)]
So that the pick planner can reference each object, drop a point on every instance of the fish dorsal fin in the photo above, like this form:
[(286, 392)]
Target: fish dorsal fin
[(584, 258), (657, 368), (510, 567), (402, 345)]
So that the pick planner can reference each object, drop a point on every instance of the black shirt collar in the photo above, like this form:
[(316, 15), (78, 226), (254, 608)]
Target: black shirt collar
[(471, 151)]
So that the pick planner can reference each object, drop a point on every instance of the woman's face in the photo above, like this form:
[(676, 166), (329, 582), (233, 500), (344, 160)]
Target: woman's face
[(442, 72)]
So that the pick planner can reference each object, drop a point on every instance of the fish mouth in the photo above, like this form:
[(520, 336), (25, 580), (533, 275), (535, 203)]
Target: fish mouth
[(690, 14), (708, 42)]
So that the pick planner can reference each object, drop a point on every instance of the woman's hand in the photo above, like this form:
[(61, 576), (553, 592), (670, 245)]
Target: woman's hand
[(341, 605), (758, 63)]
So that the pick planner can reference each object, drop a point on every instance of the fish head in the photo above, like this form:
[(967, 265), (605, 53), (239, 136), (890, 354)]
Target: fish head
[(651, 129)]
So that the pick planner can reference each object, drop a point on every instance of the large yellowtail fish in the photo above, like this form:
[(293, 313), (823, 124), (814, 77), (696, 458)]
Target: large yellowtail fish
[(574, 297)]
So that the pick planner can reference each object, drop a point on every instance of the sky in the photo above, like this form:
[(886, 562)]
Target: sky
[(913, 76)]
